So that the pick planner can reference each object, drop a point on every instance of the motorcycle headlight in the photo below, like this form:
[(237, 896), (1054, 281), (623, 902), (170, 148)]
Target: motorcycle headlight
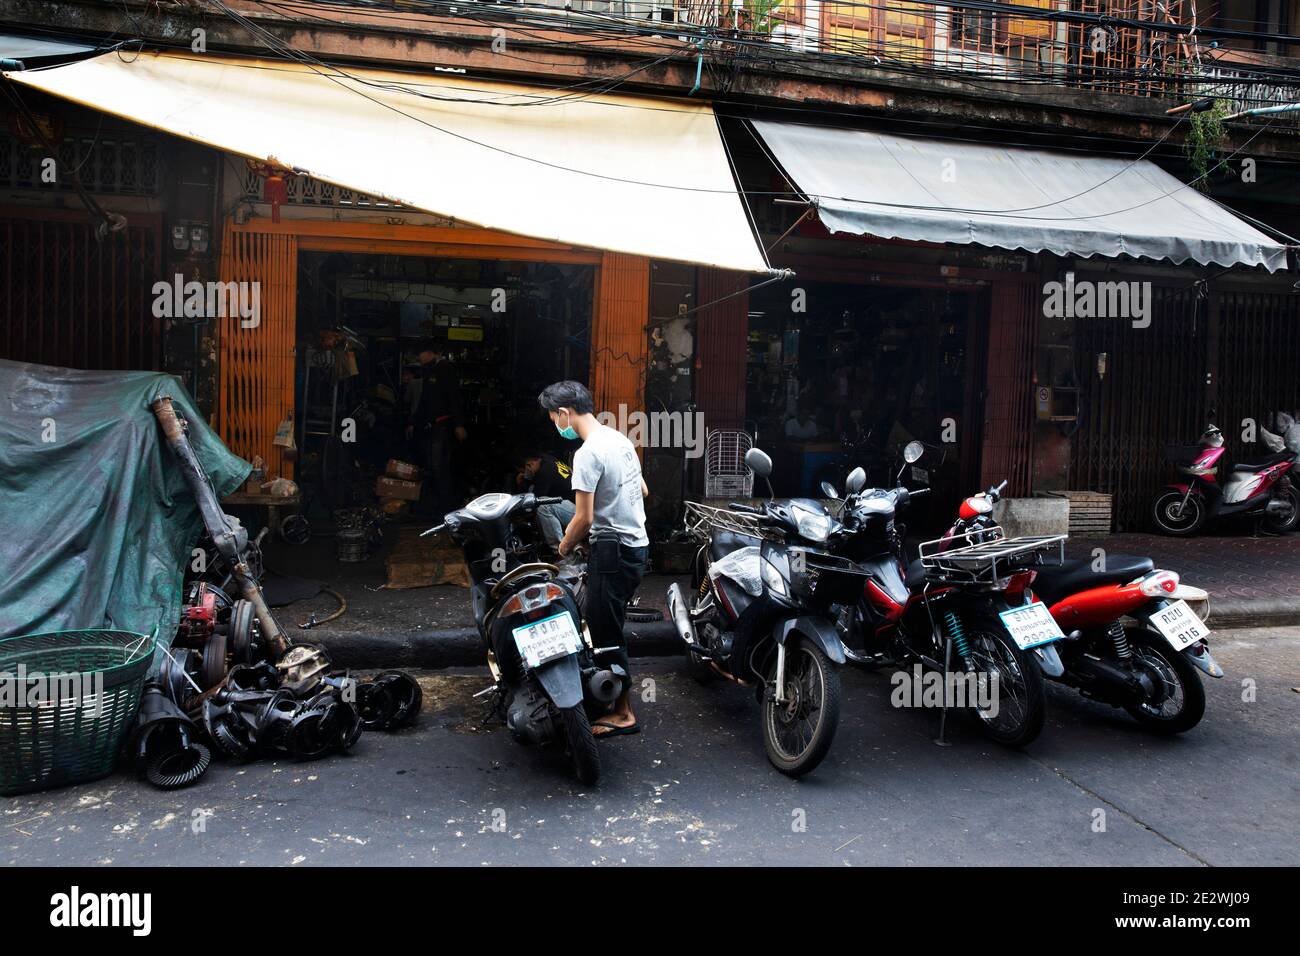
[(773, 579), (813, 526)]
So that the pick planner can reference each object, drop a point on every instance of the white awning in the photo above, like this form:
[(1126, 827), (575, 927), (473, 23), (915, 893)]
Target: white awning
[(627, 174), (898, 187)]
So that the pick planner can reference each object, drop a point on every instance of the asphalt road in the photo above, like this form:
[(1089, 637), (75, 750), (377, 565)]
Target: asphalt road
[(695, 788)]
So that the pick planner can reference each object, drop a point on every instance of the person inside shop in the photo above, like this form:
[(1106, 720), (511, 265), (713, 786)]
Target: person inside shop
[(436, 423), (609, 516), (540, 473), (802, 426)]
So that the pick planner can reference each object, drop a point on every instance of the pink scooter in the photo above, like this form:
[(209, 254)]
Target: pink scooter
[(1260, 490)]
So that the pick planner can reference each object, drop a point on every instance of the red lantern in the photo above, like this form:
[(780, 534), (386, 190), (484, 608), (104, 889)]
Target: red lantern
[(275, 184)]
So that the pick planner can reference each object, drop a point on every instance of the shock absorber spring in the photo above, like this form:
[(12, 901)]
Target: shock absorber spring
[(956, 632), (1120, 640)]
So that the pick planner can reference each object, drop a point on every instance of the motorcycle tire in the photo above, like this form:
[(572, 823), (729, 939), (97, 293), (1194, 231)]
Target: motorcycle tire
[(1181, 680), (1285, 524), (1166, 522), (580, 744), (816, 685), (1030, 704)]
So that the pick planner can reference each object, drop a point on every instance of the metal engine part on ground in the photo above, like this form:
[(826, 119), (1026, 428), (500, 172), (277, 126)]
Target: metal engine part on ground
[(164, 742), (302, 668), (295, 529), (352, 545), (389, 702)]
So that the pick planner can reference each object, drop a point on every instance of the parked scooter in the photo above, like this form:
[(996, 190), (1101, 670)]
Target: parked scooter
[(963, 607), (1252, 490), (1132, 639), (546, 685), (759, 614)]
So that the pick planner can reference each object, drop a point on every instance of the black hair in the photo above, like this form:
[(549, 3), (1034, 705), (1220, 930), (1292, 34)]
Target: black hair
[(566, 394)]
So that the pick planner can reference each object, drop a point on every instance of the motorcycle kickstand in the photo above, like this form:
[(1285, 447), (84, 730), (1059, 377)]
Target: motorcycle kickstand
[(942, 740)]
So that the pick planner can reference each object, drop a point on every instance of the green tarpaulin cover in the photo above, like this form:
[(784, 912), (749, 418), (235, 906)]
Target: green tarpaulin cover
[(96, 521)]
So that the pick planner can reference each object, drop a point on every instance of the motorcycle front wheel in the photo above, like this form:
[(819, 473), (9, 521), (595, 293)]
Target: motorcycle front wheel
[(1179, 703), (581, 745), (797, 733), (1015, 716), (1173, 516)]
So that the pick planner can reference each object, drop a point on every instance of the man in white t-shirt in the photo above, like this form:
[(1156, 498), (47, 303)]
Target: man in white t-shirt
[(609, 508)]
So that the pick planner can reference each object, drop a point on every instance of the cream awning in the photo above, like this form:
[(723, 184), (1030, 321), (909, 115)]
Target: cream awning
[(628, 174), (902, 187)]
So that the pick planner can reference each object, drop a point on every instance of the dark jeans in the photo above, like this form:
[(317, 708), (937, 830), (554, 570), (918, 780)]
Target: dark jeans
[(614, 571), (438, 496)]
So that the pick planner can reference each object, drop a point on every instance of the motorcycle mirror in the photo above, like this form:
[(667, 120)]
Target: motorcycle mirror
[(913, 451), (829, 490), (856, 481), (758, 461)]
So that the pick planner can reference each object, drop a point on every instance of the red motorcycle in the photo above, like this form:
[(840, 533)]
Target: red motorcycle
[(1132, 640), (960, 612), (1261, 490)]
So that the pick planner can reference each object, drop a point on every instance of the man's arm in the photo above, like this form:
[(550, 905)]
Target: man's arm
[(645, 489), (583, 515)]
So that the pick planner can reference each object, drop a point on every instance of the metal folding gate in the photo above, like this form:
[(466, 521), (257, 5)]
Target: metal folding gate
[(67, 299), (1223, 359)]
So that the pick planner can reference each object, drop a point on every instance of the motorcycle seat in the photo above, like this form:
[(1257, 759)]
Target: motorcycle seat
[(1055, 582), (1266, 462), (915, 575), (724, 542)]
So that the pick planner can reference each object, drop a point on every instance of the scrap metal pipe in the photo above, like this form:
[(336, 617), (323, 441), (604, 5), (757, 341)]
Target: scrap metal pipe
[(230, 539)]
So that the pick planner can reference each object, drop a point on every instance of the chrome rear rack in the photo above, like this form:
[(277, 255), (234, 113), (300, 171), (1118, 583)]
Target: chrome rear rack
[(987, 557), (701, 520)]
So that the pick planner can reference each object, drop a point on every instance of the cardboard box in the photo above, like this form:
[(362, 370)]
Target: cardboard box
[(397, 488), (394, 506), (402, 469)]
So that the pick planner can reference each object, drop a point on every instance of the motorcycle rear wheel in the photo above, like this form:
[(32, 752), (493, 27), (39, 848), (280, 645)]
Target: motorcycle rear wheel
[(1171, 516), (1285, 523), (797, 734), (581, 745), (1022, 695), (1182, 704)]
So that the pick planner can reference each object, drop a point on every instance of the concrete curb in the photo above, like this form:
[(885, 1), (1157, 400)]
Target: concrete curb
[(460, 647), (455, 647)]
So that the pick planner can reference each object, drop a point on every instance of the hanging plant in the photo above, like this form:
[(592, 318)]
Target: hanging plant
[(1203, 142)]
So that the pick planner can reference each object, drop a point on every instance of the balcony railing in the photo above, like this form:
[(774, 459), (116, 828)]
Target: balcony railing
[(1129, 47)]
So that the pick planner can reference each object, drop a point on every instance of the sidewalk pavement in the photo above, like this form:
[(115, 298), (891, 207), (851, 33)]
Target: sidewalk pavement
[(1252, 582)]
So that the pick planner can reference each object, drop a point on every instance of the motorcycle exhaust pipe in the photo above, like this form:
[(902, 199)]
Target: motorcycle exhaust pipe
[(1277, 506), (681, 617), (604, 686)]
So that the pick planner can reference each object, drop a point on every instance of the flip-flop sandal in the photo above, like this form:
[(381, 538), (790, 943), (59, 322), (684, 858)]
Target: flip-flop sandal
[(613, 730)]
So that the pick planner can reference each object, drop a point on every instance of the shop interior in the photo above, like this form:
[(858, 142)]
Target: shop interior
[(349, 544), (846, 374), (508, 328)]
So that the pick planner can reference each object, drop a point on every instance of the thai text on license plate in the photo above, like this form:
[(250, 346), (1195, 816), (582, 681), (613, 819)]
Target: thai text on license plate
[(1180, 625), (547, 639), (1031, 625)]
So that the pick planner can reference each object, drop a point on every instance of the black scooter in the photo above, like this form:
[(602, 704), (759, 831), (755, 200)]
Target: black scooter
[(546, 684), (759, 614)]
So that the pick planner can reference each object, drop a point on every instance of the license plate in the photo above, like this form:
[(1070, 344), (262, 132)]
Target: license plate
[(1031, 625), (920, 474), (547, 639), (1180, 625)]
